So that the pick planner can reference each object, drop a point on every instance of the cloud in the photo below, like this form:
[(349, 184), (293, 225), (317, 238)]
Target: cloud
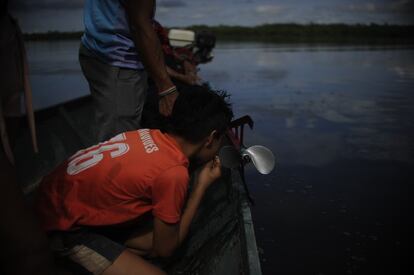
[(171, 3), (364, 7), (268, 9), (403, 6), (399, 6), (75, 4), (45, 4), (198, 16), (397, 11)]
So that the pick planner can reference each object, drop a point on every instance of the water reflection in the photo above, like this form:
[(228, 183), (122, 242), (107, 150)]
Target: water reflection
[(325, 103), (341, 124), (340, 121), (55, 73)]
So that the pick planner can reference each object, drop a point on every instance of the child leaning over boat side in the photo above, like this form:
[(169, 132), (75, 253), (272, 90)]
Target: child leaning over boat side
[(95, 206)]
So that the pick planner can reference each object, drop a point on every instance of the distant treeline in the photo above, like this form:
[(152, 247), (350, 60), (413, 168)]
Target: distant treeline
[(288, 33), (318, 33)]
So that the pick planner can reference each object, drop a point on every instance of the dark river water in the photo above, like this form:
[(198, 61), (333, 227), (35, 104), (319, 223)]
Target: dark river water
[(340, 121)]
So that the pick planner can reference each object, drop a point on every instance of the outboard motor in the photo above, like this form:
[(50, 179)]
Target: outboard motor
[(200, 43)]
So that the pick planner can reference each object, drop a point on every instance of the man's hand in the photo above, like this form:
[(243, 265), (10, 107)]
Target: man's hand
[(140, 15), (166, 104), (210, 172)]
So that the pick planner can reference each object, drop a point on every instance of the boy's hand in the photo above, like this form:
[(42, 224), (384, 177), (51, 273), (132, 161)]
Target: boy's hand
[(210, 172)]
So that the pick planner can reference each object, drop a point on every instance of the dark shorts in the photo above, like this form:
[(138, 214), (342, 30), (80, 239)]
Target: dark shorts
[(84, 251)]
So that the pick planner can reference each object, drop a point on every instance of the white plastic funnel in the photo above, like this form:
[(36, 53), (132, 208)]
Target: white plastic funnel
[(262, 158)]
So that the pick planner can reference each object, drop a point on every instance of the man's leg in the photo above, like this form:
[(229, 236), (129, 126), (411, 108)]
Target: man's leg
[(118, 95), (99, 76), (130, 93)]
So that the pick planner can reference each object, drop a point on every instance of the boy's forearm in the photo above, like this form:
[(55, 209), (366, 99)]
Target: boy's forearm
[(192, 205), (144, 243), (190, 211)]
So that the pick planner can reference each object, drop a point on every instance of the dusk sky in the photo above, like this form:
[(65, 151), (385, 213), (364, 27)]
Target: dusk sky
[(66, 15)]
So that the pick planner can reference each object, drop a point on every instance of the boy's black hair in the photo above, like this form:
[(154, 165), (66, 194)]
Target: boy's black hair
[(198, 111)]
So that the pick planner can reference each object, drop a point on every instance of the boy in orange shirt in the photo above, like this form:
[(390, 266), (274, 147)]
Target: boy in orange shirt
[(117, 184)]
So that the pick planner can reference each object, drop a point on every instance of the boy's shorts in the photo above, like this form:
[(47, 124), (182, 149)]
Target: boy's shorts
[(88, 251)]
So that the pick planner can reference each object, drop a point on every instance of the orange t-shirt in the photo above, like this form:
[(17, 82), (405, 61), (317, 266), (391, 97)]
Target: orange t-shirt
[(115, 182)]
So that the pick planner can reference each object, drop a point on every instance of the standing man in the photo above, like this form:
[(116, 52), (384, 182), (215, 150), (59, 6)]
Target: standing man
[(118, 49)]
